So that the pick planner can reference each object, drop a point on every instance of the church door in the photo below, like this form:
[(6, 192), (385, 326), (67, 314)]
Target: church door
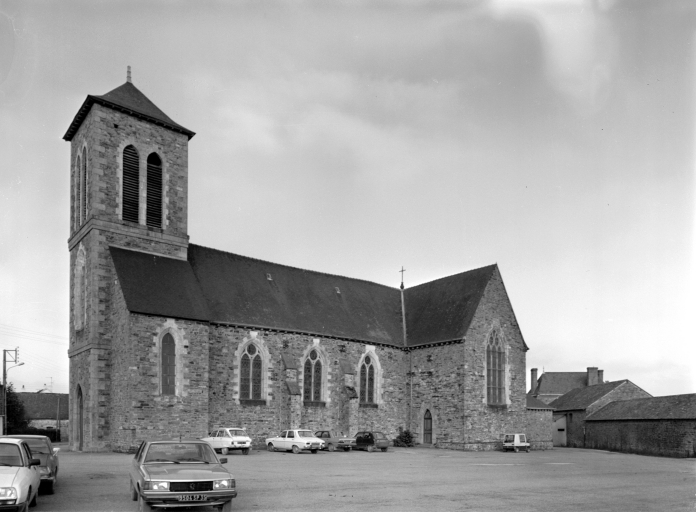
[(80, 418), (428, 428)]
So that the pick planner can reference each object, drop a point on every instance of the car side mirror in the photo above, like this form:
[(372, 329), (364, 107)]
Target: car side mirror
[(34, 462), (223, 460)]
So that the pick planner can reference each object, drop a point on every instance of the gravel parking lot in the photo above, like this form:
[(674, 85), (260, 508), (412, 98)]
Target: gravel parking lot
[(404, 479)]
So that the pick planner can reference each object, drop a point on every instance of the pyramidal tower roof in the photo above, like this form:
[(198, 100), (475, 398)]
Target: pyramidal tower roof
[(129, 99)]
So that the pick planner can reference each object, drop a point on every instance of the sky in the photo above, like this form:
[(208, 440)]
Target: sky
[(554, 138)]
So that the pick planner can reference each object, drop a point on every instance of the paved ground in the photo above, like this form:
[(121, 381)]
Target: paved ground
[(405, 479)]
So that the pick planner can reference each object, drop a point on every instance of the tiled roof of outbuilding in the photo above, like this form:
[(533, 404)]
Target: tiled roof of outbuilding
[(674, 407), (127, 98), (228, 288), (582, 398), (535, 403), (442, 310), (44, 406), (559, 383)]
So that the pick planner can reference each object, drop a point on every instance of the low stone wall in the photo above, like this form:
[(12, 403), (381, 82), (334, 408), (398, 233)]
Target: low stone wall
[(668, 438)]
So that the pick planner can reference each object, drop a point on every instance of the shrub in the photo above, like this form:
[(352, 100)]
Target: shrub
[(405, 439)]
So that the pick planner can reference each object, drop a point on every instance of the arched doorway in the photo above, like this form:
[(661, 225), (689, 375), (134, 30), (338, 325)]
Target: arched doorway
[(80, 418), (427, 428)]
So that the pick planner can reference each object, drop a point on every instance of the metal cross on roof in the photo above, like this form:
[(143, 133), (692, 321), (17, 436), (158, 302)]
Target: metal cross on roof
[(402, 275)]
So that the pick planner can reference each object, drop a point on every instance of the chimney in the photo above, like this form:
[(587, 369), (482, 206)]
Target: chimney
[(592, 376), (600, 376), (534, 381)]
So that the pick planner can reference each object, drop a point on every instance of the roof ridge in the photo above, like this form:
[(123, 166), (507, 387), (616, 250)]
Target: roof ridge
[(491, 266), (317, 272)]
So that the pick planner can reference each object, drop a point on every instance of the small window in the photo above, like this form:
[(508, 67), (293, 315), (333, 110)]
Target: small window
[(131, 184), (168, 365), (153, 212)]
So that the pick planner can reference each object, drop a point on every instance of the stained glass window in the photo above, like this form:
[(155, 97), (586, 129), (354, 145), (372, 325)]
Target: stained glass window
[(312, 378), (367, 381), (168, 360), (250, 374)]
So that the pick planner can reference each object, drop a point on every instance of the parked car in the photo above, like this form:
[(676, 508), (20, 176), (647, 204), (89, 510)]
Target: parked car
[(19, 475), (335, 440), (42, 449), (180, 473), (370, 441), (295, 440), (515, 442), (226, 439)]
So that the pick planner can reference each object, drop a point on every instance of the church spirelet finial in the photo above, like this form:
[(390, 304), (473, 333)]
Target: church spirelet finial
[(128, 76), (402, 276)]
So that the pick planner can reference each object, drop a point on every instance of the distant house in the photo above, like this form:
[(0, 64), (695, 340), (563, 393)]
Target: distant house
[(572, 408), (662, 425), (47, 410), (553, 385), (539, 427)]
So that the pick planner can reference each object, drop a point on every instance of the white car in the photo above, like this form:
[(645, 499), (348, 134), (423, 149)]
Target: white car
[(515, 442), (226, 439), (295, 440), (19, 475)]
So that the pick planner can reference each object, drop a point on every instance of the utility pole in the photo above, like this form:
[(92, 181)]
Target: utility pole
[(11, 356)]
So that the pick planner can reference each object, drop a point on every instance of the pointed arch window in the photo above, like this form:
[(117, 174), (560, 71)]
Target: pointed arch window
[(168, 362), (80, 291), (495, 370), (131, 184), (312, 378), (367, 381), (250, 379), (153, 211)]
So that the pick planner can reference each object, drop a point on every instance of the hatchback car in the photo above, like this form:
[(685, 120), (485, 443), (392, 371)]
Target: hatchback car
[(370, 441), (42, 449), (295, 440), (515, 442), (19, 475), (225, 440), (180, 474)]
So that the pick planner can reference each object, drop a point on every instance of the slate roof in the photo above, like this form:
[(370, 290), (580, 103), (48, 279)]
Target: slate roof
[(535, 403), (227, 288), (126, 98), (582, 398), (442, 310), (44, 406), (559, 383), (675, 407)]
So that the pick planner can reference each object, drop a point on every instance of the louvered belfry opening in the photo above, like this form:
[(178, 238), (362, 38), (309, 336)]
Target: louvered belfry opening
[(131, 184), (153, 217)]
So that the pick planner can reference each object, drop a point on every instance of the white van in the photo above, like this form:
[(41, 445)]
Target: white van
[(515, 442)]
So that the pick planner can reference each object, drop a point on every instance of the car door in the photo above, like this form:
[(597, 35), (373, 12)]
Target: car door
[(290, 439), (32, 473), (217, 440)]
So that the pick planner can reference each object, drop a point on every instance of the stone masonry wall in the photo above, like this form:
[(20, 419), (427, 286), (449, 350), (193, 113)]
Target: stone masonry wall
[(262, 421), (669, 438), (539, 429)]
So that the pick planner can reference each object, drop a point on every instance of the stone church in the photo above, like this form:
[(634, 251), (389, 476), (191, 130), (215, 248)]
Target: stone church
[(171, 339)]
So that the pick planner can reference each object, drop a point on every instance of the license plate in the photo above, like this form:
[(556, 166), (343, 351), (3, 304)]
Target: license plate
[(191, 497)]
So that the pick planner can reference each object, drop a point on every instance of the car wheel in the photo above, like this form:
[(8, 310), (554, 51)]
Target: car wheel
[(270, 447), (245, 451), (32, 503), (517, 450), (527, 449), (370, 448), (331, 447), (384, 449), (134, 493), (295, 449), (225, 451)]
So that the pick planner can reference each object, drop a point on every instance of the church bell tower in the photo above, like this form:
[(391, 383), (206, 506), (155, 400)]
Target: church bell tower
[(128, 189)]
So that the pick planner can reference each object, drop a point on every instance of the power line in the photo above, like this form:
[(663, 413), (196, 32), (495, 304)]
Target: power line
[(30, 331)]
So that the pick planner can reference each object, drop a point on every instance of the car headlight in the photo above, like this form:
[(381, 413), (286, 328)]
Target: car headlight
[(44, 471), (156, 486), (8, 493), (221, 485)]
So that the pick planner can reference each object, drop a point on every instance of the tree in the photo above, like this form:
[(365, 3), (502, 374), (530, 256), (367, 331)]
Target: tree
[(17, 421)]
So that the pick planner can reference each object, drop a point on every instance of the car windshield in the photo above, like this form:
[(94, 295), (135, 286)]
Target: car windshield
[(10, 455), (235, 432), (305, 433), (38, 446), (509, 439), (177, 453)]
